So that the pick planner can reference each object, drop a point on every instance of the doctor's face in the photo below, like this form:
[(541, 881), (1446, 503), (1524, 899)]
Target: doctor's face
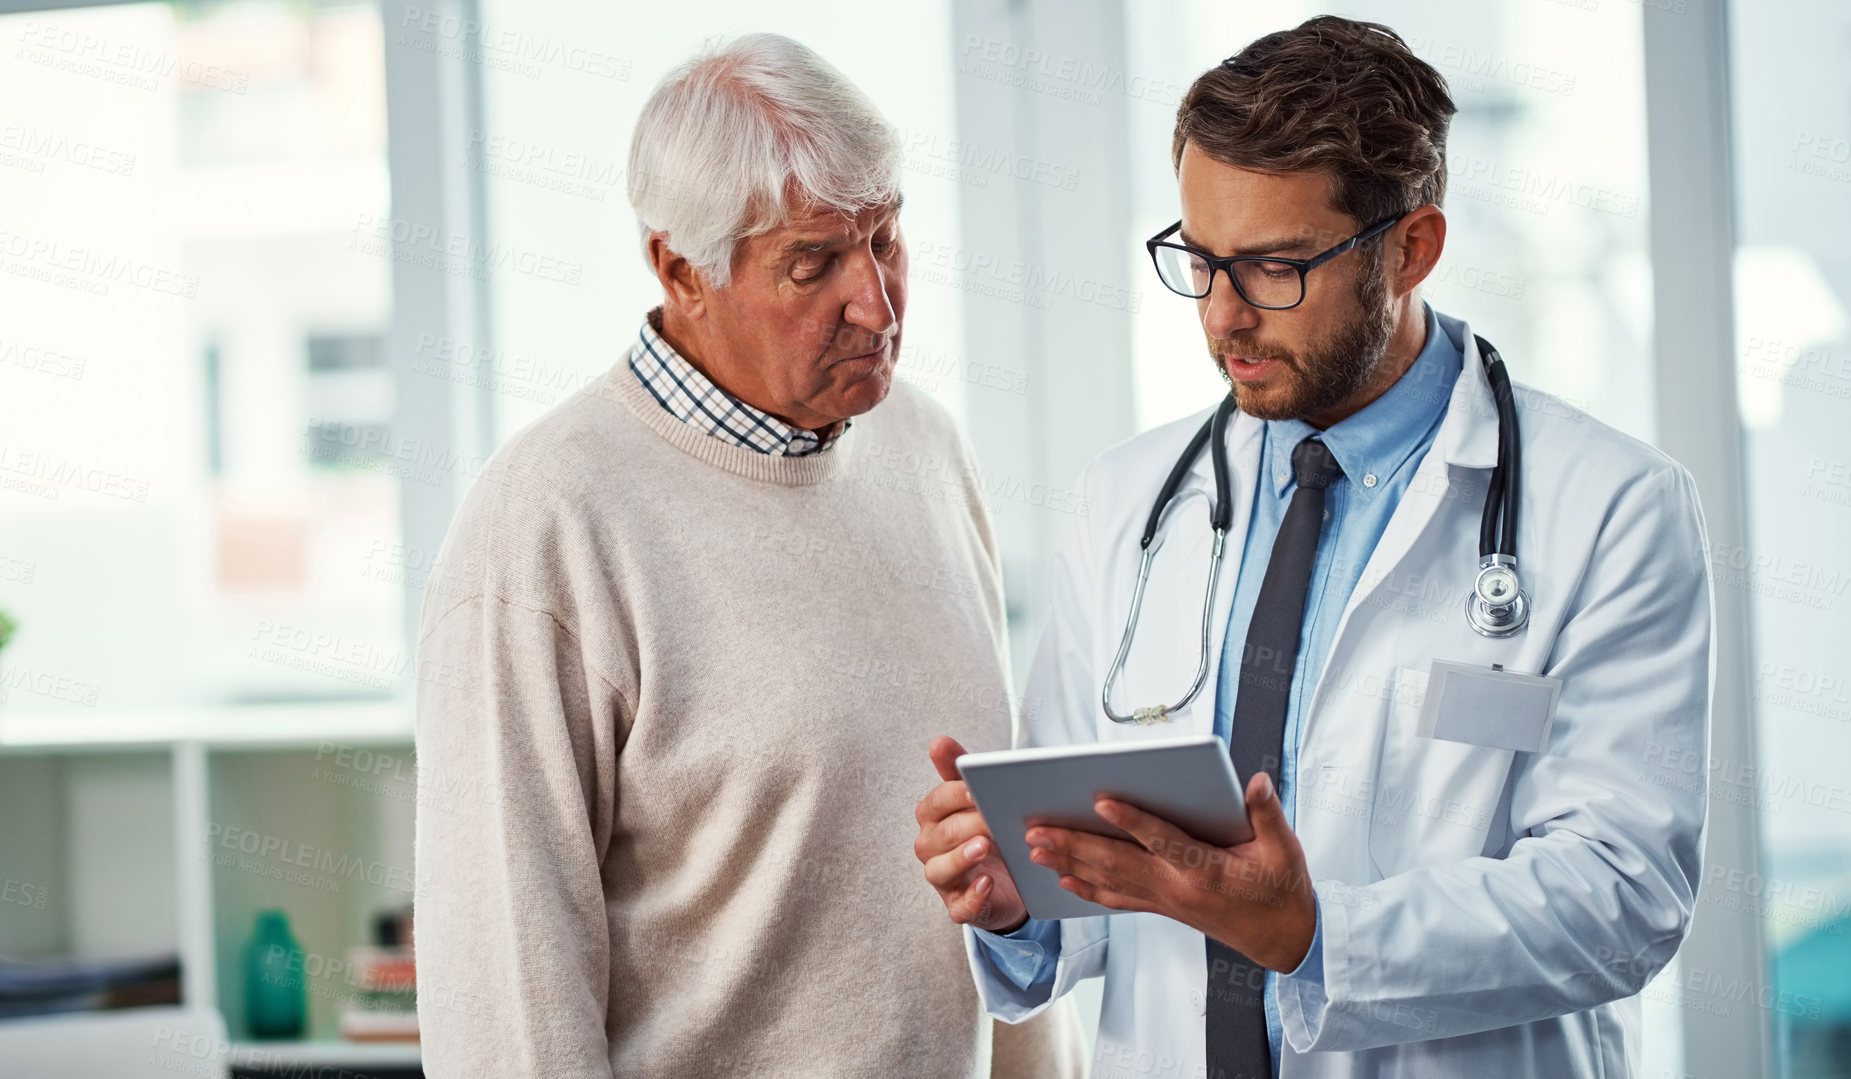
[(1319, 361)]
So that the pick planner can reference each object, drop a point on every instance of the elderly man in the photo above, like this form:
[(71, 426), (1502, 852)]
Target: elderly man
[(706, 631)]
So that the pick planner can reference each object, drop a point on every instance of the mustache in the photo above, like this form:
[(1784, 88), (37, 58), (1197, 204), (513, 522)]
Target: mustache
[(1227, 348)]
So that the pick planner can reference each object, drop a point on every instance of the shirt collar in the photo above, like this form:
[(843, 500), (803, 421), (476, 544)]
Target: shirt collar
[(1379, 438), (693, 398)]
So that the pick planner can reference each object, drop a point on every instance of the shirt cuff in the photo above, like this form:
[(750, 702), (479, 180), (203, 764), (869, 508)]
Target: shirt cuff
[(1028, 956), (1305, 987), (1312, 965)]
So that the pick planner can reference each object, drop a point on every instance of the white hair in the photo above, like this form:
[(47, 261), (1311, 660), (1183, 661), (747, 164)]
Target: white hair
[(731, 135)]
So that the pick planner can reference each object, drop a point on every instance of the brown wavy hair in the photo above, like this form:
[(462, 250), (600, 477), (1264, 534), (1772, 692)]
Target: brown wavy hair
[(1335, 95)]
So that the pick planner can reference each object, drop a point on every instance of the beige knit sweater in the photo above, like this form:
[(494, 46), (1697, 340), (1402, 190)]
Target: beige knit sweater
[(672, 723)]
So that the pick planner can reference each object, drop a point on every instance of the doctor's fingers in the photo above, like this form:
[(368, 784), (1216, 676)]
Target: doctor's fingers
[(1127, 869), (942, 801), (1103, 896), (954, 868), (982, 895), (1157, 835), (1086, 847), (951, 834)]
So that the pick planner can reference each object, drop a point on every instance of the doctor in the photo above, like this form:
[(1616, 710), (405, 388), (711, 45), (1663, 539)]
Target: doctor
[(1482, 892)]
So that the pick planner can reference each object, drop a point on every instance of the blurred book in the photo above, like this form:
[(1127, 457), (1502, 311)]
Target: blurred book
[(386, 1006), (51, 986), (363, 1025)]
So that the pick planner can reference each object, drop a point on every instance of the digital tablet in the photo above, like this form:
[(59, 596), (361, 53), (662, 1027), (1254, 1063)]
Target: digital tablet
[(1188, 781)]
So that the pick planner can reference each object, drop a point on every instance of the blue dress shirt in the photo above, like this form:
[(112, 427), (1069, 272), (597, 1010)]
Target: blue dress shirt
[(1379, 448)]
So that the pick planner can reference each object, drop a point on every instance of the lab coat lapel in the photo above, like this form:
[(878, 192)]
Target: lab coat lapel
[(1467, 439)]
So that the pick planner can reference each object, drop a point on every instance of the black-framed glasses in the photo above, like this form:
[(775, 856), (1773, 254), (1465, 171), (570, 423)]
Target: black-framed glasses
[(1264, 281)]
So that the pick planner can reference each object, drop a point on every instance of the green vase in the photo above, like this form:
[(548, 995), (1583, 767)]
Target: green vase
[(275, 990)]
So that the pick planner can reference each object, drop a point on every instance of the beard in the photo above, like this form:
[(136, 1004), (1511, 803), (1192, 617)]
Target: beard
[(1330, 370)]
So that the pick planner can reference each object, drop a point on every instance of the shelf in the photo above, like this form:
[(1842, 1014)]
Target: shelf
[(255, 726), (168, 798), (77, 828), (328, 1053)]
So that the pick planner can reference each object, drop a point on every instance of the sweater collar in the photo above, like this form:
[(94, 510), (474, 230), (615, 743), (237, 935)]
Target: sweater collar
[(622, 382)]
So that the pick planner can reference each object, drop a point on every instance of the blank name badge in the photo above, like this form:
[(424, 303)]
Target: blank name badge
[(1489, 706)]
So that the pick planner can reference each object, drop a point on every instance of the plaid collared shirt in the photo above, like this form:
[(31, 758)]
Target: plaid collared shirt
[(692, 398)]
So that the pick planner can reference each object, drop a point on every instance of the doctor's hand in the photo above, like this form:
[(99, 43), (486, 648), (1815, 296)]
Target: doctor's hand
[(1256, 897), (959, 854)]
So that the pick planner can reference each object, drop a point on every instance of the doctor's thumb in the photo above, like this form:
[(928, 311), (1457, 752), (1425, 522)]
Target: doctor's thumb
[(1263, 807), (945, 751)]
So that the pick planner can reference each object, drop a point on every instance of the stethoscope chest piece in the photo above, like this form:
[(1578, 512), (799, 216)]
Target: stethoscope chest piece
[(1497, 605)]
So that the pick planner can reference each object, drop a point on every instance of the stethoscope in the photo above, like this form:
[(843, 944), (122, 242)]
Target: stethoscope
[(1496, 607)]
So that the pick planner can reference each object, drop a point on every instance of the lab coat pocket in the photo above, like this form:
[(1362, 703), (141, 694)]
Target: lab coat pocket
[(1434, 799)]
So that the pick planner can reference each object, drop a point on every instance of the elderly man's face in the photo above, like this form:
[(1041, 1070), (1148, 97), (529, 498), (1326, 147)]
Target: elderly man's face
[(809, 328)]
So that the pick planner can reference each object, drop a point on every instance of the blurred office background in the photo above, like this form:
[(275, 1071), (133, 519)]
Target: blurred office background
[(278, 277)]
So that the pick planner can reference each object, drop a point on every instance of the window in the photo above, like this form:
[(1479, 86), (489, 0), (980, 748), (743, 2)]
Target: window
[(190, 379), (1792, 103)]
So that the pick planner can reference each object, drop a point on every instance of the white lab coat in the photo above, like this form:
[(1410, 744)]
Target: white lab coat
[(1484, 912)]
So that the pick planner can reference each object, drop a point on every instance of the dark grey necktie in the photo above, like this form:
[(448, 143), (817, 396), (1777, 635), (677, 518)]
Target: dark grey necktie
[(1237, 1042)]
